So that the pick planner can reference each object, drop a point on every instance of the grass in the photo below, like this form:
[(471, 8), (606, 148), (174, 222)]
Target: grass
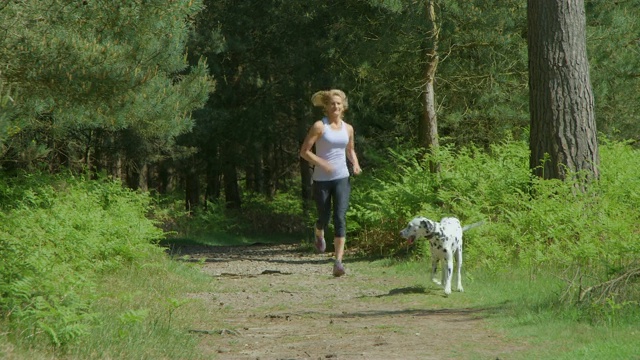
[(525, 309), (148, 311), (145, 313)]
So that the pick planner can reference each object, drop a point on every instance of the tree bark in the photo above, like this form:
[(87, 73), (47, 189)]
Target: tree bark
[(230, 177), (428, 135), (143, 177), (214, 181), (306, 171), (563, 130), (192, 189)]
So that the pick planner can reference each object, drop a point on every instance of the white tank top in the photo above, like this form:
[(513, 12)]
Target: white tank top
[(331, 146)]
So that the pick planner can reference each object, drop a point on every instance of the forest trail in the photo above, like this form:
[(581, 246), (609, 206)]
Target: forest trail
[(282, 302)]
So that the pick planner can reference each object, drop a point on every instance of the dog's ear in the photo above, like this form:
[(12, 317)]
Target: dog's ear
[(430, 226)]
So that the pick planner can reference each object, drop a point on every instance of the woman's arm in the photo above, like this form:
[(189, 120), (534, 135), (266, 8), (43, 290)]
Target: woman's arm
[(306, 150), (351, 152)]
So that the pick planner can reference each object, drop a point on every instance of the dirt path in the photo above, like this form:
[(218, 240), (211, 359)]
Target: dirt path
[(281, 302)]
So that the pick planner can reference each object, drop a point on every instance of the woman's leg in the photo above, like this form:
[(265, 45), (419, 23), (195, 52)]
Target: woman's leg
[(340, 207), (338, 243), (322, 192)]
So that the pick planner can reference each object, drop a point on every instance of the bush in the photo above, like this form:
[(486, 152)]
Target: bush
[(57, 235), (472, 185), (530, 222)]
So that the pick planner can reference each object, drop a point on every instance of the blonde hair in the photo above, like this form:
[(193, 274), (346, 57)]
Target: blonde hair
[(323, 98)]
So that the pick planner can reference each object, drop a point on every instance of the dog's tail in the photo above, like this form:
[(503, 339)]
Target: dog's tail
[(471, 226)]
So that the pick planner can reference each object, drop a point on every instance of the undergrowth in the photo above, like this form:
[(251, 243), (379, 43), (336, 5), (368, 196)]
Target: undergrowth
[(58, 236), (529, 222), (281, 215)]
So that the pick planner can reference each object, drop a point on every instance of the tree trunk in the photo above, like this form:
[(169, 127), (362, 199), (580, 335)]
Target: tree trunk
[(164, 177), (563, 130), (192, 189), (269, 169), (214, 180), (306, 172), (116, 168), (143, 177), (230, 177), (428, 135)]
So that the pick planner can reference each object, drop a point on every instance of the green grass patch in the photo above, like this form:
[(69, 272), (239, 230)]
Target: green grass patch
[(146, 313), (524, 306)]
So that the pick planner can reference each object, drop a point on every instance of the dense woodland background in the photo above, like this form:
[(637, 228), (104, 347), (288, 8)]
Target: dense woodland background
[(124, 124), (211, 98)]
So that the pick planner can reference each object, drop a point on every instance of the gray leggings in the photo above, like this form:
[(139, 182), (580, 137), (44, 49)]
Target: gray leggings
[(338, 191)]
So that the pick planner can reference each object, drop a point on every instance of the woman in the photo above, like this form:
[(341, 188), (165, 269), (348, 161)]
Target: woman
[(333, 139)]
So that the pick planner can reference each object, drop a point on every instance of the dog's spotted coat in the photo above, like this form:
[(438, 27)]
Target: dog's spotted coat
[(445, 238)]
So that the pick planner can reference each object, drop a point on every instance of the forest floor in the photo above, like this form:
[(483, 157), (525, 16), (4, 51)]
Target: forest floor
[(282, 302)]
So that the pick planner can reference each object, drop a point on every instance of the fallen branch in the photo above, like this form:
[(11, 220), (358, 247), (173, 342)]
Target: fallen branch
[(611, 286)]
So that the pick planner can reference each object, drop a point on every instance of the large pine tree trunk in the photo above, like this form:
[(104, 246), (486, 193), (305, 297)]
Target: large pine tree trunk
[(563, 129)]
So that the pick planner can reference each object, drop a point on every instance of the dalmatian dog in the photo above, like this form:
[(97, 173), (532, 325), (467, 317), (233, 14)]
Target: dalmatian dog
[(445, 238)]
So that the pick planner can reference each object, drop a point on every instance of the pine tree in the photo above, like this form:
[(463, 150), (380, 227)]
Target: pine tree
[(82, 72)]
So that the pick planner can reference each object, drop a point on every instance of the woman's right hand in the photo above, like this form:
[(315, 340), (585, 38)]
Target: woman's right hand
[(326, 166)]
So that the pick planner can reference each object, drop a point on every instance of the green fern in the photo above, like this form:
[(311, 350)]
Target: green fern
[(59, 235)]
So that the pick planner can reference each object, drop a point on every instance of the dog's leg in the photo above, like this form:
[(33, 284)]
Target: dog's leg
[(434, 269), (447, 272), (458, 267)]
